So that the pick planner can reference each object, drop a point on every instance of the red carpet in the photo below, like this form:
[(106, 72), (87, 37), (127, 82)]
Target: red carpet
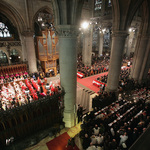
[(60, 142), (88, 81)]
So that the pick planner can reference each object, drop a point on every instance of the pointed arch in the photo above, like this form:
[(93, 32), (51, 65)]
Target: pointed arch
[(135, 6), (127, 14), (115, 14), (46, 8), (13, 15), (57, 16)]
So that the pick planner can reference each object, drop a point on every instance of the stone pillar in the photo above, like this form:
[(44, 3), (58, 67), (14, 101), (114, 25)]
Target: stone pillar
[(146, 64), (68, 72), (101, 42), (118, 42), (24, 52), (8, 53), (79, 49), (139, 57), (129, 43), (30, 50), (87, 47)]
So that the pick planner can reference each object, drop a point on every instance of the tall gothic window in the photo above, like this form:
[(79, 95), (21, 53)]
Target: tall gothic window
[(109, 3), (14, 52), (98, 4), (3, 58), (4, 32)]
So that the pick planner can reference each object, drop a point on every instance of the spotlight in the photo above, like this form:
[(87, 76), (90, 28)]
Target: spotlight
[(85, 25), (130, 29), (43, 24), (39, 18), (104, 30)]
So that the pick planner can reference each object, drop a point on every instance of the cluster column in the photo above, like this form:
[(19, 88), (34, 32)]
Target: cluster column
[(24, 52), (87, 47), (146, 64), (68, 70), (29, 50), (118, 42), (139, 57), (101, 41)]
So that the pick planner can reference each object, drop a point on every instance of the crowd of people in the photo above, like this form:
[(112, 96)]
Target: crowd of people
[(118, 125), (123, 79), (99, 65), (25, 89), (13, 77)]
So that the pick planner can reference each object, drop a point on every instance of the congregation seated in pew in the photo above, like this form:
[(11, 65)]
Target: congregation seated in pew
[(117, 124)]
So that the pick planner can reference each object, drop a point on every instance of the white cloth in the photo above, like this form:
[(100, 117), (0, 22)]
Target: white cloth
[(91, 148), (93, 140), (123, 138), (96, 131), (112, 132), (99, 139)]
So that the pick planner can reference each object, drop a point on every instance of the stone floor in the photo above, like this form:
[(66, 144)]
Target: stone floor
[(38, 141)]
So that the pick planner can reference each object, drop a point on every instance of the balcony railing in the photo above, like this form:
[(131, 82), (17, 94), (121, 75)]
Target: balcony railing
[(10, 43)]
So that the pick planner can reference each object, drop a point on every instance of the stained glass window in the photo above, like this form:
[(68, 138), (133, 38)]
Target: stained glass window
[(109, 3), (4, 32), (3, 57), (98, 4), (14, 52)]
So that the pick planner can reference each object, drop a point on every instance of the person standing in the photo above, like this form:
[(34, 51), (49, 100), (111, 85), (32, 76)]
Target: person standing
[(79, 113)]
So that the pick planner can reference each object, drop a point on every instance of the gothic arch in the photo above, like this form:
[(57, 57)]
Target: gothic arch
[(115, 14), (65, 13), (46, 8), (56, 12), (122, 15), (145, 17), (13, 15), (135, 7)]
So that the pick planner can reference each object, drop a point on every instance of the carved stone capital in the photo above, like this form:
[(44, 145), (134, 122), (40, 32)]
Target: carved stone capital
[(27, 33), (67, 31), (121, 34)]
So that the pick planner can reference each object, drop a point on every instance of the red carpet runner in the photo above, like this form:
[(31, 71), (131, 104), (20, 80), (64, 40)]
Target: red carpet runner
[(88, 81), (60, 142)]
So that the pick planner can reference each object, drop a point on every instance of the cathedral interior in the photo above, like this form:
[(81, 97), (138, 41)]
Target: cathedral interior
[(74, 41)]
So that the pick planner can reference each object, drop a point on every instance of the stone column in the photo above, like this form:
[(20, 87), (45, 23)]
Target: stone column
[(101, 42), (24, 52), (68, 70), (8, 53), (139, 57), (79, 49), (118, 42), (30, 50), (146, 64), (87, 47), (129, 43)]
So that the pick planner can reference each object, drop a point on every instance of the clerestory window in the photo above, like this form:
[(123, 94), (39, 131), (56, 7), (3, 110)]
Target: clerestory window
[(4, 32)]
